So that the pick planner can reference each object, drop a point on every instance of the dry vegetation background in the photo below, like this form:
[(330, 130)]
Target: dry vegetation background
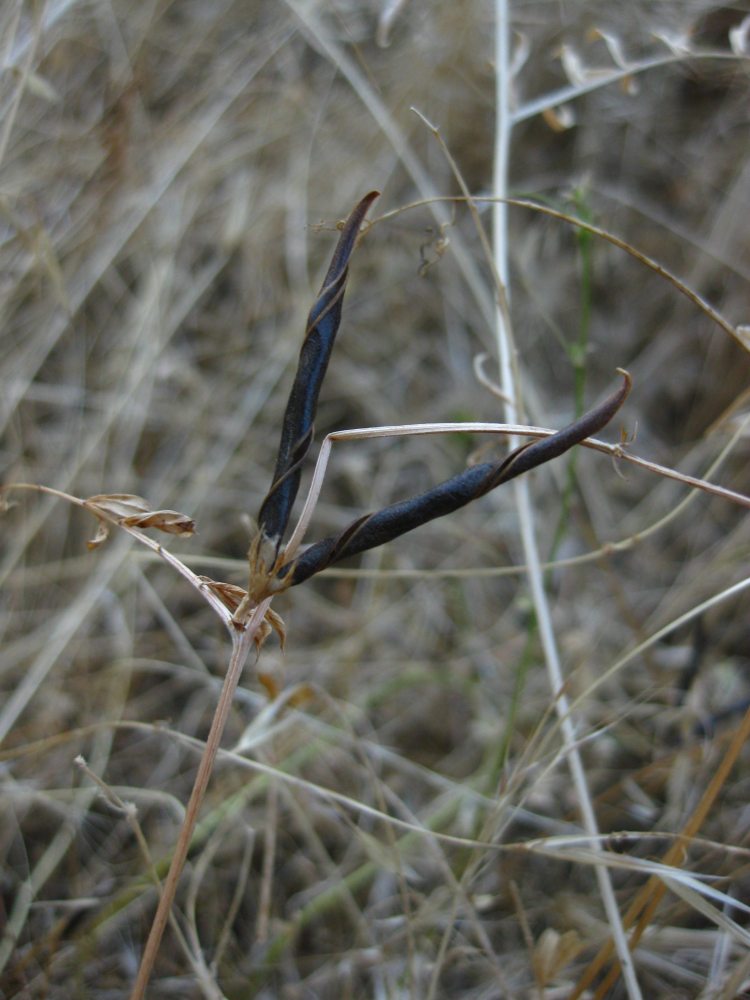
[(171, 175)]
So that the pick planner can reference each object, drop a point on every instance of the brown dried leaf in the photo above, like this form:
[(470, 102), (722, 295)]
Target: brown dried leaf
[(119, 504), (170, 521), (232, 596), (101, 536), (271, 623), (277, 624), (228, 593), (134, 512)]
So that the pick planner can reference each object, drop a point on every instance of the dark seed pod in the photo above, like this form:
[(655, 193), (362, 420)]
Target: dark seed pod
[(297, 428), (383, 526)]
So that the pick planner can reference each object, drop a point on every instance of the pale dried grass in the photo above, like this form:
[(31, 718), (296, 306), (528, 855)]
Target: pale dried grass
[(164, 170)]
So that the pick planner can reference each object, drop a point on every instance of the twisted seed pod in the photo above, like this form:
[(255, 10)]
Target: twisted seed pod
[(383, 526), (297, 428)]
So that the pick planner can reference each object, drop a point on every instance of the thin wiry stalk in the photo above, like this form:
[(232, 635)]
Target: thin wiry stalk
[(662, 633), (241, 647), (512, 391), (644, 905), (616, 451), (321, 40), (243, 637), (736, 332), (563, 95), (654, 265)]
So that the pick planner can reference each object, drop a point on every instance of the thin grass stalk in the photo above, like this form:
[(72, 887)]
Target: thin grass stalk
[(577, 352), (646, 901), (662, 633), (650, 262), (241, 645), (322, 41), (511, 389)]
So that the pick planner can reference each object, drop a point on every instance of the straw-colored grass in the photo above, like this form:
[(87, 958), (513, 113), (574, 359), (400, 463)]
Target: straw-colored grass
[(423, 809)]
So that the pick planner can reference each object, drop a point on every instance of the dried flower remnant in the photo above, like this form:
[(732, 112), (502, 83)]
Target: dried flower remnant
[(131, 511)]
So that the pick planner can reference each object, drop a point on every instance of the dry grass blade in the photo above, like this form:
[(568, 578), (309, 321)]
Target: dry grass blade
[(642, 909), (171, 180)]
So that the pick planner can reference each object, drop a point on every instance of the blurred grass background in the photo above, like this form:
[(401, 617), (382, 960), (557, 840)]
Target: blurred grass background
[(171, 176)]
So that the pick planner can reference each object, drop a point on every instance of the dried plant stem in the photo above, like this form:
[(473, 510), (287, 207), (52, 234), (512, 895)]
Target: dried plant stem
[(616, 451), (243, 634), (644, 905), (164, 554), (650, 262), (662, 633), (323, 41), (241, 646), (269, 859), (510, 386), (21, 81), (511, 392)]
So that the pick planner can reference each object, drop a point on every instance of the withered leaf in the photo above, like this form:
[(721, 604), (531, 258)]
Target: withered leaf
[(270, 685), (228, 593), (271, 623), (277, 624), (133, 511), (119, 504), (232, 596), (170, 521), (101, 536)]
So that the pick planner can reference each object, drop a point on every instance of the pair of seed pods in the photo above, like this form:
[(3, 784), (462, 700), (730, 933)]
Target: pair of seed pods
[(382, 526)]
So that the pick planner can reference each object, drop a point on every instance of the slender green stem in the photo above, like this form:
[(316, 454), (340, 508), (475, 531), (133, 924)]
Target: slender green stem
[(578, 353)]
